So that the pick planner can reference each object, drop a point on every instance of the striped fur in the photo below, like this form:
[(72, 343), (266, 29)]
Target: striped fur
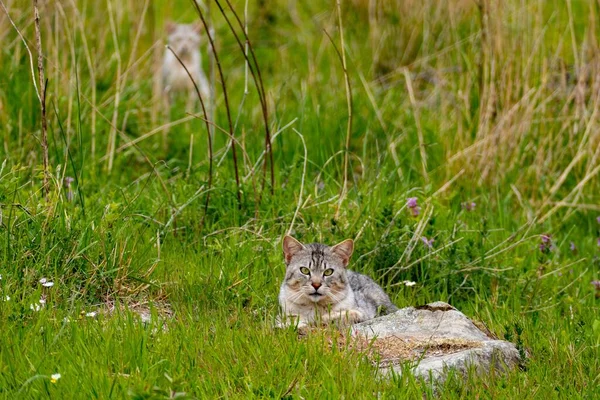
[(319, 289)]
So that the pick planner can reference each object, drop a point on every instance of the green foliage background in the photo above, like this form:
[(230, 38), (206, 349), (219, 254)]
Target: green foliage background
[(504, 114)]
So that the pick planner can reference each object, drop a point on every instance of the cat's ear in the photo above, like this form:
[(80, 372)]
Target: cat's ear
[(290, 247), (170, 27), (344, 250)]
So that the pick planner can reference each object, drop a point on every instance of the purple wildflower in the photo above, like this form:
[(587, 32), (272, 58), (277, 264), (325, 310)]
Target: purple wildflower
[(598, 242), (596, 284), (428, 242), (468, 206), (598, 219), (546, 239), (414, 206), (546, 245), (67, 181), (572, 247)]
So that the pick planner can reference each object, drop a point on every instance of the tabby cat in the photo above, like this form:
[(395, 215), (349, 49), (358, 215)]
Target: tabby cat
[(318, 289)]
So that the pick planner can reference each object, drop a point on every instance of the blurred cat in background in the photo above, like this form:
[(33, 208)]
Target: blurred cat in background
[(184, 40)]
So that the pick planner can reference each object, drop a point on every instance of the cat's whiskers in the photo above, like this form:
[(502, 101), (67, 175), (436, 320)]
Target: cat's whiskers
[(335, 298), (296, 296)]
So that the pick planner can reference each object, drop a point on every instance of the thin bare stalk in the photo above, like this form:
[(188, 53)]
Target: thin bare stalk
[(208, 135), (92, 72), (190, 156), (226, 99), (245, 94), (349, 103), (76, 173), (413, 102), (342, 56), (212, 71), (156, 64), (483, 22), (573, 36), (256, 75), (112, 139), (42, 94), (246, 48), (37, 92), (300, 198)]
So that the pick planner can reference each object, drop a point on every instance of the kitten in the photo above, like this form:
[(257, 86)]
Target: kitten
[(319, 289), (185, 42)]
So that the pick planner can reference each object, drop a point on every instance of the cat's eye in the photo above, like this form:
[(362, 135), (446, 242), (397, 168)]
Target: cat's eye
[(328, 272), (305, 270)]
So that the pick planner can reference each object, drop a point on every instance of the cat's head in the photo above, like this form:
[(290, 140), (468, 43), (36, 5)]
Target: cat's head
[(315, 271), (184, 39)]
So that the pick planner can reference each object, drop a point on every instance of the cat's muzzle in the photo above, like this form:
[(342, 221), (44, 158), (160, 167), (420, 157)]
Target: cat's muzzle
[(316, 296)]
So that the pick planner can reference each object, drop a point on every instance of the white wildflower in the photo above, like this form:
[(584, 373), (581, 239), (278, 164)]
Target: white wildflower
[(55, 377), (48, 284), (43, 280), (409, 283), (91, 314)]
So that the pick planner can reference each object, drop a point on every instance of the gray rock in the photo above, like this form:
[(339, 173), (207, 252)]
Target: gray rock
[(434, 339)]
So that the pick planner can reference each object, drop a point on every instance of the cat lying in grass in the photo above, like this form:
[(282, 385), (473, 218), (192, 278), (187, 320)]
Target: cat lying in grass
[(318, 289)]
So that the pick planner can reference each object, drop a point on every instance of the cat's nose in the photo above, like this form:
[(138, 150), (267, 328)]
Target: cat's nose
[(316, 285)]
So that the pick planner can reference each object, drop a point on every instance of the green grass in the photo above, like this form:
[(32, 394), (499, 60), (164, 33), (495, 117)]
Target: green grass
[(508, 120)]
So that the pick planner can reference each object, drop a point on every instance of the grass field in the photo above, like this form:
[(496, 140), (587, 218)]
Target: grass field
[(486, 112)]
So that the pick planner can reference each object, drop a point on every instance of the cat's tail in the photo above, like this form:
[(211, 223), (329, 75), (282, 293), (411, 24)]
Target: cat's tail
[(390, 308)]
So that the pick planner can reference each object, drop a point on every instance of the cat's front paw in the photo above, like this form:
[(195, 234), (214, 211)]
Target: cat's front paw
[(350, 317), (279, 324)]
